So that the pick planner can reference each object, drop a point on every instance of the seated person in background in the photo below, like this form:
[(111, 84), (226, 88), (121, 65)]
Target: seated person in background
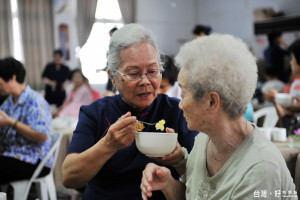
[(25, 122), (230, 159), (201, 30), (272, 82), (80, 95), (274, 55), (54, 76), (168, 84), (102, 154), (95, 93), (294, 49)]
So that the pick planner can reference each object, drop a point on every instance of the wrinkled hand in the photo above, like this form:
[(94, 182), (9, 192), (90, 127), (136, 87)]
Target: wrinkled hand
[(5, 120), (295, 106), (173, 158), (270, 95), (122, 133), (154, 178)]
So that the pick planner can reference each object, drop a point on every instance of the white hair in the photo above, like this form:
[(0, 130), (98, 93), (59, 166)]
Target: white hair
[(128, 35), (220, 63)]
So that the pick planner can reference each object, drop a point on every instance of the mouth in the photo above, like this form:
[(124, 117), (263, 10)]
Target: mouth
[(146, 94)]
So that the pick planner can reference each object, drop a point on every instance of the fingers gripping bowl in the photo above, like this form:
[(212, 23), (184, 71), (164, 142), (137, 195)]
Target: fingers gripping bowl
[(155, 144)]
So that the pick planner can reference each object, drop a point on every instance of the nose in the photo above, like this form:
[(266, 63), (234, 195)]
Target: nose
[(144, 80)]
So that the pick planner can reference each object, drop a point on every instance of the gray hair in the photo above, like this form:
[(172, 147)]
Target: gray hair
[(224, 64), (128, 35)]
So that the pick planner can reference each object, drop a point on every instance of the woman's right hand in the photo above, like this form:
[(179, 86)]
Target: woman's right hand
[(154, 178), (121, 134)]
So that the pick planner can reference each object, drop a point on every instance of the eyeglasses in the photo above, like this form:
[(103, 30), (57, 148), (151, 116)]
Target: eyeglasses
[(134, 76)]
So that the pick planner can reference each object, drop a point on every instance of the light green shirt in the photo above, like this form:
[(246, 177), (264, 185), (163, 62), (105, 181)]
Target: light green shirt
[(256, 170)]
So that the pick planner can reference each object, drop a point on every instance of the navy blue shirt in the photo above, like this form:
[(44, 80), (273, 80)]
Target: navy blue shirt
[(121, 175)]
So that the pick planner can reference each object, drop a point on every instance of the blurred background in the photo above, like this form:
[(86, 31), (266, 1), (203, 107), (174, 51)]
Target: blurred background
[(32, 29)]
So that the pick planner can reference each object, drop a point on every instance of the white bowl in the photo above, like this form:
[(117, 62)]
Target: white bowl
[(154, 144), (283, 99)]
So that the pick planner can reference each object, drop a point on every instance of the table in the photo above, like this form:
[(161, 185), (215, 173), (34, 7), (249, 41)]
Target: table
[(292, 157), (66, 139)]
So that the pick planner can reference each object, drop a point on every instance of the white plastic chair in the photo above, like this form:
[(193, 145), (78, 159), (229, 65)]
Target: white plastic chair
[(47, 186), (270, 114)]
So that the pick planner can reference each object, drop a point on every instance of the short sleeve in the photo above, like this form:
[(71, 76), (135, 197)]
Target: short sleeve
[(84, 135), (39, 116), (45, 72)]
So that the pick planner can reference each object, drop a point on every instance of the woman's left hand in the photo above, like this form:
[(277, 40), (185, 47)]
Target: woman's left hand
[(173, 158)]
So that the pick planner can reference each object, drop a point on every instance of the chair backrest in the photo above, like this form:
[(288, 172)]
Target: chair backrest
[(270, 114), (56, 139)]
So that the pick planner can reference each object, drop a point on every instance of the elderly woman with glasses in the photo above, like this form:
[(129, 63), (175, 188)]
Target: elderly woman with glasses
[(231, 159), (102, 154)]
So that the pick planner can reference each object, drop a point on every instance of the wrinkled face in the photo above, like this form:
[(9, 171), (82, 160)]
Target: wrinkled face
[(192, 110), (164, 86), (4, 87), (141, 58)]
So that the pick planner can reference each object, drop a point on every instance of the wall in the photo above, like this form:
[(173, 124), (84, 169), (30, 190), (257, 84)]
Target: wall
[(237, 18), (171, 21)]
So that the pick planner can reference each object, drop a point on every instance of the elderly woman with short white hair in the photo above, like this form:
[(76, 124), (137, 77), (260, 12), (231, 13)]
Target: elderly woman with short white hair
[(231, 159)]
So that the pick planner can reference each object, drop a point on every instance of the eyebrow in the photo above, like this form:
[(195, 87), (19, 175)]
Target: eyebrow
[(137, 67)]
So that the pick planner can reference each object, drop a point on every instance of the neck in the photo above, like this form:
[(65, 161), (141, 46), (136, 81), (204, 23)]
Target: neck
[(18, 91), (228, 137)]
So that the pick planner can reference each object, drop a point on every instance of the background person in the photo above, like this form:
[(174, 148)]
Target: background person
[(79, 95), (110, 90), (275, 55), (168, 84), (294, 49), (103, 155), (230, 159), (54, 76), (25, 122), (201, 30)]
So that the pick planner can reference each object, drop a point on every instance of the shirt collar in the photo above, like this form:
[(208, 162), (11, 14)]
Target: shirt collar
[(22, 98)]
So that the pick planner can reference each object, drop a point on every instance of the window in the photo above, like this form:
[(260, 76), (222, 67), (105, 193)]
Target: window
[(16, 30), (93, 55)]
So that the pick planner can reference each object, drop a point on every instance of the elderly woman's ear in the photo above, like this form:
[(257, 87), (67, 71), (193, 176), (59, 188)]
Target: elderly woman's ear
[(214, 102), (111, 77)]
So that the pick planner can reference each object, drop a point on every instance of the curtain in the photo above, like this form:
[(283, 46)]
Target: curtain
[(127, 8), (85, 18), (36, 19), (5, 29)]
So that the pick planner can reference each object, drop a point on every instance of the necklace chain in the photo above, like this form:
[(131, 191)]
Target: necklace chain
[(231, 148)]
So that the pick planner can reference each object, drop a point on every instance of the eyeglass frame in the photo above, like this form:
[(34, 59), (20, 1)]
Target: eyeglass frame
[(141, 75)]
